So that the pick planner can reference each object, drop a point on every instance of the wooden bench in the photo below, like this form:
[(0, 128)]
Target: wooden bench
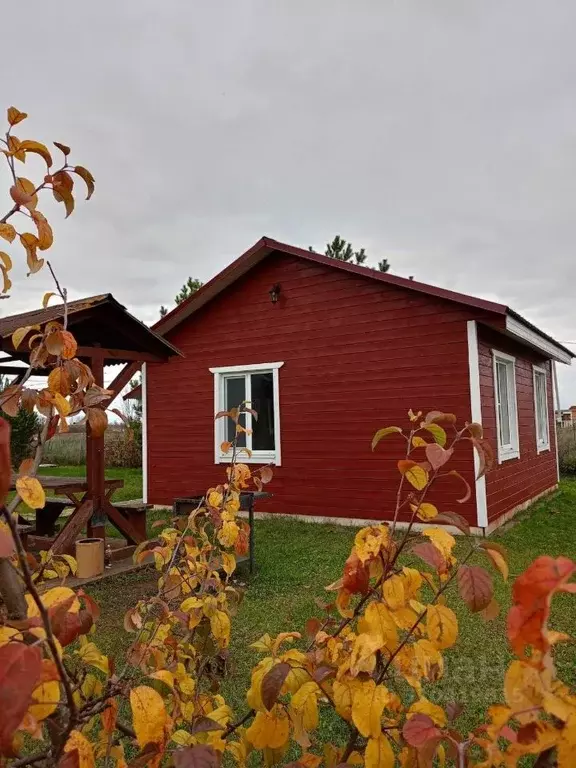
[(23, 531), (134, 513), (45, 518)]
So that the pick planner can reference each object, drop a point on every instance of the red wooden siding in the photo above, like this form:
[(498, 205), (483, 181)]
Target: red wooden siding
[(357, 355), (515, 480)]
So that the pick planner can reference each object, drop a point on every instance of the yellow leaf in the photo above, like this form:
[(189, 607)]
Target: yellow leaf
[(254, 695), (305, 703), (343, 694), (378, 622), (228, 563), (368, 704), (424, 511), (149, 715), (499, 561), (437, 433), (383, 433), (58, 595), (8, 232), (523, 688), (182, 738), (379, 753), (228, 534), (214, 499), (416, 475), (220, 626), (269, 729), (412, 581), (429, 659), (567, 743), (442, 540), (90, 655), (165, 676), (61, 404), (76, 741), (441, 626), (6, 282), (27, 191), (418, 442), (369, 541), (393, 591), (85, 174), (31, 492), (47, 297), (20, 334), (45, 700), (434, 712)]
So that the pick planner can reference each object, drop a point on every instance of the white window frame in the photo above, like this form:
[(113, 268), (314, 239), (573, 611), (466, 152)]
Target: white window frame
[(512, 449), (220, 375), (541, 445)]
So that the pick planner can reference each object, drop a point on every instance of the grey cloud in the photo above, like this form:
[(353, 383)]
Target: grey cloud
[(441, 135)]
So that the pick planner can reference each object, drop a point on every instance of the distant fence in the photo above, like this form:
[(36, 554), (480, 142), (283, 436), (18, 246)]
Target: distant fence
[(69, 449)]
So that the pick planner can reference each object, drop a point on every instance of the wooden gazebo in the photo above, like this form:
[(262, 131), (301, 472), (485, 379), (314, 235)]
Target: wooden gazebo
[(107, 334)]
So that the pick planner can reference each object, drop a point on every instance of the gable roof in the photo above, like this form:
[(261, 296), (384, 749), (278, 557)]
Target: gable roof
[(515, 324), (95, 320)]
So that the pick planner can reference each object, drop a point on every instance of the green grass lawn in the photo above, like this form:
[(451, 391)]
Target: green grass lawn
[(295, 560)]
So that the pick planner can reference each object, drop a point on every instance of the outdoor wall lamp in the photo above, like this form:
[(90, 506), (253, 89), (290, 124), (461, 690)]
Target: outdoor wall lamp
[(274, 293)]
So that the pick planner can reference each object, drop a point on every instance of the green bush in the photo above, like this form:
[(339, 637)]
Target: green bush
[(567, 450), (24, 433)]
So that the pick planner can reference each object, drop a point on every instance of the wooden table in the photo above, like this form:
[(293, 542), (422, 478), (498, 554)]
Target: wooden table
[(77, 491), (187, 504)]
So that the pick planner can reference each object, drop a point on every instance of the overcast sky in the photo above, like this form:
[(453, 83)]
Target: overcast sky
[(440, 134)]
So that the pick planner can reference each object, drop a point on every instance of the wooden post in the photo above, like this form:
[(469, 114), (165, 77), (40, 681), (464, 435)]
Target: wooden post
[(95, 460)]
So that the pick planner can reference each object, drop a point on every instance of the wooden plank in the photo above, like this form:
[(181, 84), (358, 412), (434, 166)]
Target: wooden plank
[(120, 354), (67, 536), (124, 526)]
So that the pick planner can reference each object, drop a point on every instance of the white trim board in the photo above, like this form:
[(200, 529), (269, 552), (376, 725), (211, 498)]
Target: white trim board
[(538, 370), (518, 329), (144, 436), (476, 413), (510, 450)]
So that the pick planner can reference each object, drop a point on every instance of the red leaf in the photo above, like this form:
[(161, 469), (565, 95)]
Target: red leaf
[(420, 729), (356, 577), (453, 710), (272, 682), (204, 724), (241, 544), (313, 626), (91, 605), (467, 485), (525, 627), (201, 756), (20, 668), (324, 672), (431, 555), (527, 733), (438, 456), (475, 587), (542, 579), (453, 518), (69, 760)]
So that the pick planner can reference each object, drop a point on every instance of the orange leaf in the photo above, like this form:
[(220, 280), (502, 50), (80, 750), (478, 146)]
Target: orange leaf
[(109, 716), (37, 148), (6, 282), (25, 191), (70, 346), (45, 236), (97, 420), (8, 232), (62, 147), (15, 116), (85, 174), (356, 577)]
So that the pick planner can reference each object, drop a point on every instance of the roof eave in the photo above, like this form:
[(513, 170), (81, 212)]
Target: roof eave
[(529, 334)]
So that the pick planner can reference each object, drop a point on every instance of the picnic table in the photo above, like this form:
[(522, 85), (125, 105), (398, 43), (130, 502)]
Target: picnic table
[(76, 493), (185, 505)]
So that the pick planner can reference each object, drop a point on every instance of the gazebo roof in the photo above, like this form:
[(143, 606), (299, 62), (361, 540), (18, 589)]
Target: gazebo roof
[(96, 322)]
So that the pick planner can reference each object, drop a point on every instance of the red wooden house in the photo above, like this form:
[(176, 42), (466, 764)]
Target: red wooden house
[(329, 352)]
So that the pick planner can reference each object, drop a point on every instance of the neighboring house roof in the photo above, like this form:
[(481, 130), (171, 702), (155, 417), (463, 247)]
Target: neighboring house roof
[(134, 394), (95, 320), (516, 325)]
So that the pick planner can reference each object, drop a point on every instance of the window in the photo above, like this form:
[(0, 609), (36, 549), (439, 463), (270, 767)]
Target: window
[(506, 411), (541, 410), (257, 386)]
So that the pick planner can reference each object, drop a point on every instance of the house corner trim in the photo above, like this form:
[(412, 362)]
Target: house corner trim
[(476, 414), (144, 436)]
